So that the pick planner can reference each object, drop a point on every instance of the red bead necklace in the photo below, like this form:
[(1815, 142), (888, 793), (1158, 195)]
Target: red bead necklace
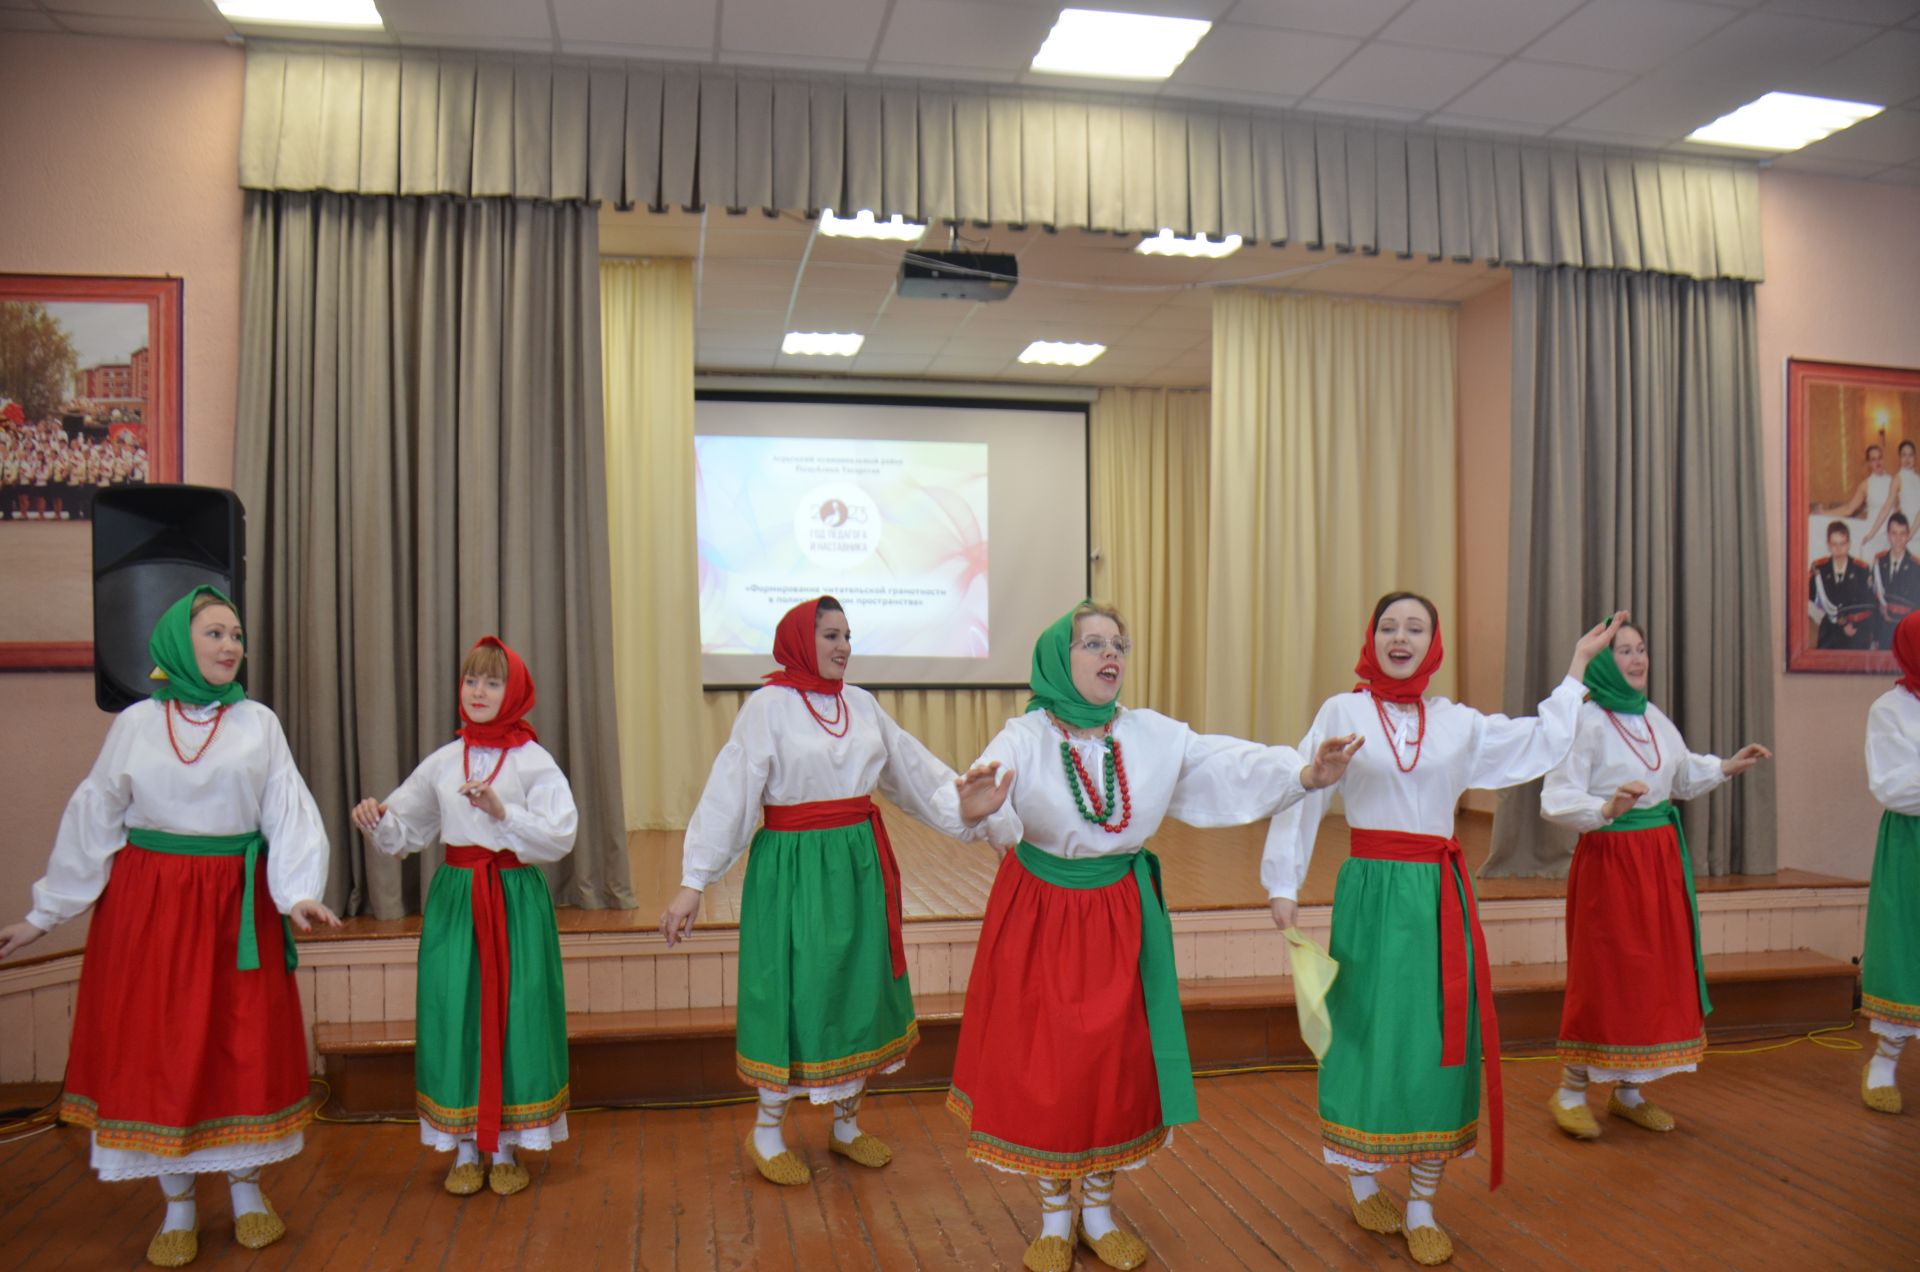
[(466, 764), (1634, 743), (1082, 784), (841, 717), (1419, 737), (219, 714)]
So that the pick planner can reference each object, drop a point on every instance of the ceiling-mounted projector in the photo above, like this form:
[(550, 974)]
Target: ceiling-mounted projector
[(958, 275)]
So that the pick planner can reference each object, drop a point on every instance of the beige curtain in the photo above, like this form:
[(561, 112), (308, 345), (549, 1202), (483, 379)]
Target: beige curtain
[(419, 453), (1332, 483), (646, 325), (1149, 503), (422, 121)]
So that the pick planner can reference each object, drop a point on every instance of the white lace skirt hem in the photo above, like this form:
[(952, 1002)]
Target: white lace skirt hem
[(1887, 1029), (534, 1139), (126, 1163), (1638, 1077), (1358, 1167)]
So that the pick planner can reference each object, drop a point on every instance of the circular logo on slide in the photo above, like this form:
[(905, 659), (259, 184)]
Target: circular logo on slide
[(837, 525)]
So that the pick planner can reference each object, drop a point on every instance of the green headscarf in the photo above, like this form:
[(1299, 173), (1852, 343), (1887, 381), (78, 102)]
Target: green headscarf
[(1052, 679), (175, 666), (1608, 686)]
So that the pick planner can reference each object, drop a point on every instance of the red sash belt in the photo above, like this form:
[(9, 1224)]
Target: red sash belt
[(831, 814), (496, 974), (1391, 845)]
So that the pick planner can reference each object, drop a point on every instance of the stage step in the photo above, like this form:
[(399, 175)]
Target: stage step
[(687, 1053)]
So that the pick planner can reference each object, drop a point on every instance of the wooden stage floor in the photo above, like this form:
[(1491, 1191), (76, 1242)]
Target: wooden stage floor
[(1776, 1165)]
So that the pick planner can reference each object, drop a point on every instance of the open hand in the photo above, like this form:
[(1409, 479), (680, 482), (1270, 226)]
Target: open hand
[(307, 913), (16, 937), (1593, 642), (1623, 799), (1745, 758), (983, 791), (485, 798), (1330, 761), (367, 814)]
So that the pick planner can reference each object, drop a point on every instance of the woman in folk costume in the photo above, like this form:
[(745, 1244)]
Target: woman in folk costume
[(823, 1001), (490, 1066), (1412, 1008), (1636, 999), (191, 838), (1072, 1061), (1890, 968)]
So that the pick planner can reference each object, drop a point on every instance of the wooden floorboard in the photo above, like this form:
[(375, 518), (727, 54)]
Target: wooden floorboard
[(1775, 1165)]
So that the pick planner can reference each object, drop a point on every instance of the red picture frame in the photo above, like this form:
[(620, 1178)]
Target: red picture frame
[(1837, 414), (120, 387)]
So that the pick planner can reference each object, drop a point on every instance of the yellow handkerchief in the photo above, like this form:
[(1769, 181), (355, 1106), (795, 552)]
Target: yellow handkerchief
[(1313, 973)]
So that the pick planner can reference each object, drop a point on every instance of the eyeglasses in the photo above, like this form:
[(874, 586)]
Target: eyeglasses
[(1099, 645)]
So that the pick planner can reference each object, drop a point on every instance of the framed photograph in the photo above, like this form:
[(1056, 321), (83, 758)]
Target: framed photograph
[(1853, 505), (90, 398)]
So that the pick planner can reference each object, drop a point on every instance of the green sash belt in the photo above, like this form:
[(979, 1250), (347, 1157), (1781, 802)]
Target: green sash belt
[(1158, 978), (249, 845), (1665, 814)]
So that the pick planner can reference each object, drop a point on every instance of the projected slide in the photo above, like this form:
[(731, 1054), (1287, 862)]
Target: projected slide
[(896, 529)]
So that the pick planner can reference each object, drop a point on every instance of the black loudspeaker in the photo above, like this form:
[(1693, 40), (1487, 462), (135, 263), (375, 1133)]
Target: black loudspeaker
[(151, 546)]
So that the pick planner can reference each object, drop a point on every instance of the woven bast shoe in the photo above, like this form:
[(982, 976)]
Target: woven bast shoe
[(1577, 1121), (508, 1178), (1118, 1249), (782, 1168), (865, 1150), (1376, 1213), (1048, 1254), (466, 1180), (256, 1230), (1647, 1115), (1884, 1099), (179, 1247), (1430, 1246)]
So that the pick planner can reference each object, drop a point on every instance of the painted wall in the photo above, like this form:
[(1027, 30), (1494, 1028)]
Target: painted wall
[(120, 159), (1843, 284), (1477, 637)]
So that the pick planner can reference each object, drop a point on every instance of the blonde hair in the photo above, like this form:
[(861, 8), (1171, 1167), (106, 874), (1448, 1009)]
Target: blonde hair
[(206, 601), (485, 660), (1095, 609)]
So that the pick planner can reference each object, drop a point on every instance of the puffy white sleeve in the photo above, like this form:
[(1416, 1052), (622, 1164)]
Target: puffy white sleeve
[(723, 823), (1507, 752), (297, 850), (1226, 781), (92, 830), (1893, 762), (1003, 827), (1694, 775), (1564, 797), (412, 818), (1290, 836), (915, 779), (544, 827)]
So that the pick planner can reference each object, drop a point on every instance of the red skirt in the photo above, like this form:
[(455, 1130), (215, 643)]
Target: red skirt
[(174, 1049), (1633, 996), (1055, 1073)]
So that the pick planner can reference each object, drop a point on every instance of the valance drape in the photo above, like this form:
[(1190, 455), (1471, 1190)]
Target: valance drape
[(420, 122)]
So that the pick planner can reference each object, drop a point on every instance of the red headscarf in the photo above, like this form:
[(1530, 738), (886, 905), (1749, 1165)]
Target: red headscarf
[(1375, 680), (509, 727), (799, 657), (1906, 652)]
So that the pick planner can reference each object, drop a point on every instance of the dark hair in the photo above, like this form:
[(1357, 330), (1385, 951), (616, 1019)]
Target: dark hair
[(1380, 607), (1839, 527), (1900, 517), (1629, 626), (826, 605), (1872, 448), (1907, 445)]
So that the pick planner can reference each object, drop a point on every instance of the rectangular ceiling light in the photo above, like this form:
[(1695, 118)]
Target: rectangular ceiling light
[(1784, 121), (329, 13), (862, 224), (822, 344), (1165, 244), (1118, 45), (1060, 353)]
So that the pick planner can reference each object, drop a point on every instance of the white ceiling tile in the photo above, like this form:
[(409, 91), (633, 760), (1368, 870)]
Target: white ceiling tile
[(1477, 26), (1885, 70), (1759, 49), (1405, 78), (796, 61), (679, 24), (642, 52), (26, 20), (1282, 63), (951, 34), (167, 10), (1828, 167), (1662, 108), (1230, 96), (1628, 35), (1878, 12), (1483, 124), (1602, 137), (884, 364), (486, 43), (469, 21), (1348, 17), (965, 74), (1890, 137), (1208, 9), (1535, 93), (1361, 110), (841, 276), (1907, 175), (743, 321), (738, 360), (962, 367), (203, 28), (817, 28)]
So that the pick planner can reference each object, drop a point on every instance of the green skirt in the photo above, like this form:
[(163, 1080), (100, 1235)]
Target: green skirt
[(533, 1091), (1384, 1096), (1890, 969), (819, 1005)]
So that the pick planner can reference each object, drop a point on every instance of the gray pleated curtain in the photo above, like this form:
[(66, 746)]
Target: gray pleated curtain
[(420, 454), (1637, 484), (421, 122)]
